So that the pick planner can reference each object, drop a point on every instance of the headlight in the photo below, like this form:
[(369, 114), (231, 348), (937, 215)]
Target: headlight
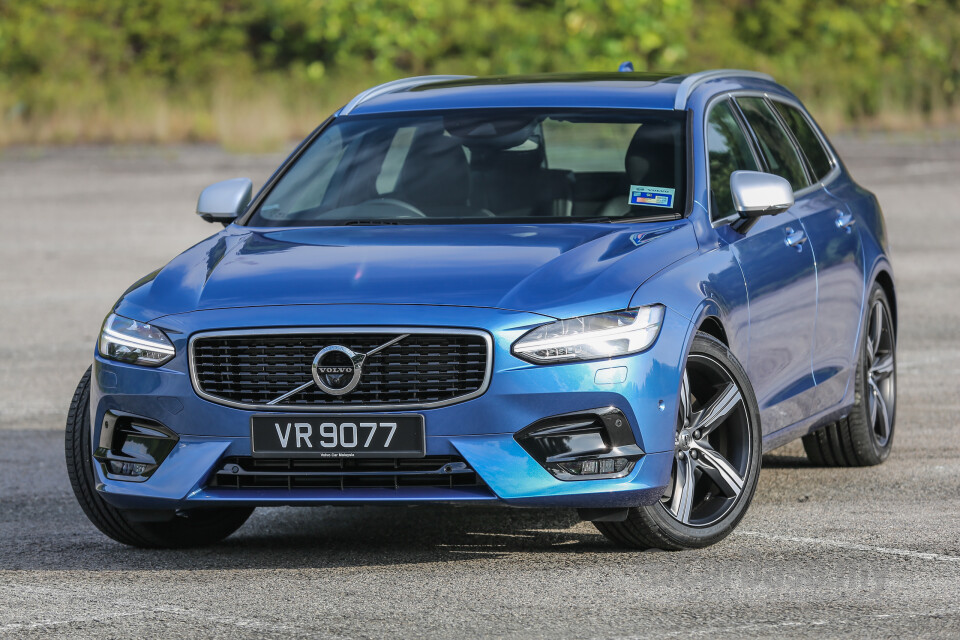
[(134, 342), (604, 335)]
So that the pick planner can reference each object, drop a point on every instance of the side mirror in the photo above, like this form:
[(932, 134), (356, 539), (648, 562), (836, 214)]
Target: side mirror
[(224, 201), (758, 194)]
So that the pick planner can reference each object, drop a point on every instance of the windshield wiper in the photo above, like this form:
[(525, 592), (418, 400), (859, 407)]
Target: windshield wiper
[(366, 222)]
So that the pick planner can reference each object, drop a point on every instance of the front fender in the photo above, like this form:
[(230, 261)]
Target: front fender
[(704, 285)]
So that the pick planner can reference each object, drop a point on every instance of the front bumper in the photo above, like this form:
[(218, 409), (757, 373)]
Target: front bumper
[(481, 430)]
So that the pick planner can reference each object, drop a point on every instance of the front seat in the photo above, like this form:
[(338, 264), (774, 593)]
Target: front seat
[(435, 176), (651, 161)]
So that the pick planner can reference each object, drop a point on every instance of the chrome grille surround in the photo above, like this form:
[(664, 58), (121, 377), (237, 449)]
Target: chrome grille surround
[(334, 406)]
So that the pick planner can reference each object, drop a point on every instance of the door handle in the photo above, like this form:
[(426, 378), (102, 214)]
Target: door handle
[(795, 238), (845, 220)]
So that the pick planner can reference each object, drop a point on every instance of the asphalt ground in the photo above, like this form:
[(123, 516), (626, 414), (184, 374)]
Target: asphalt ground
[(860, 553)]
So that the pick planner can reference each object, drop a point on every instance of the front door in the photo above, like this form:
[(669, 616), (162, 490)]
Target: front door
[(778, 270)]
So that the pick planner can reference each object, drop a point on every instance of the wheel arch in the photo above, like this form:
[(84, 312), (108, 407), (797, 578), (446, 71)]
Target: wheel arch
[(884, 278), (706, 320), (713, 326)]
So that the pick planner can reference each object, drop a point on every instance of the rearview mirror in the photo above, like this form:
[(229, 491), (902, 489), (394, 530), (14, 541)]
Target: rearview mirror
[(224, 201), (758, 194)]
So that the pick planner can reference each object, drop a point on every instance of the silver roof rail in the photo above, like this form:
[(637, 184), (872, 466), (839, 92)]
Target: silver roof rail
[(392, 87), (694, 80)]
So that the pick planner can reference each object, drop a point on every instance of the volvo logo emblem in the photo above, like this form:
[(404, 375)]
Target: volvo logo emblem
[(336, 369)]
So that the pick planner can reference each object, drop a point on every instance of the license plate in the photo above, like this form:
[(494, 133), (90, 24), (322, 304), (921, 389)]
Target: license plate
[(340, 436)]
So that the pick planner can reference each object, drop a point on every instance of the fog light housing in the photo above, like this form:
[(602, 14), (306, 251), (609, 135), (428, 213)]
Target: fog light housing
[(595, 466), (131, 448), (127, 468), (586, 445)]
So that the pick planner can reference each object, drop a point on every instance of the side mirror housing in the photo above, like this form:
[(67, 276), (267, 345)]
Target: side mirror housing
[(224, 201), (758, 194)]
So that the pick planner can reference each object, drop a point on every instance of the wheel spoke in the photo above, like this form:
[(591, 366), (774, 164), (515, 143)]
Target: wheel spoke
[(714, 414), (882, 412), (681, 502), (685, 404), (720, 471), (872, 392), (882, 367), (876, 328)]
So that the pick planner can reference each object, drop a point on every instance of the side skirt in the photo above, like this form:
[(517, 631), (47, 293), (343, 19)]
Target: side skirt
[(799, 429)]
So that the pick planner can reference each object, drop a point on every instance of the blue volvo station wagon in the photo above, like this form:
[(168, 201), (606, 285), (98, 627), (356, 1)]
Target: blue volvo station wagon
[(602, 292)]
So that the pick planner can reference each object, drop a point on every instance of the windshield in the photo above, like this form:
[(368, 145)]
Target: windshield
[(496, 166)]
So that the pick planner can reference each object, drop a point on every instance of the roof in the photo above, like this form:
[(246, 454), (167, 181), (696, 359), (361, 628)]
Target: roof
[(620, 90)]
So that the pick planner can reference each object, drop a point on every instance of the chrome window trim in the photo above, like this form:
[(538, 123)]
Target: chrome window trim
[(748, 93), (487, 373)]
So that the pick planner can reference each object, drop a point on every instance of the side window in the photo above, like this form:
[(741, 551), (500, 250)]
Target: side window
[(728, 150), (807, 138), (778, 149)]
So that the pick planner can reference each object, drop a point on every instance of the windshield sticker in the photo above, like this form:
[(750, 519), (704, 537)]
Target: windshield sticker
[(651, 196)]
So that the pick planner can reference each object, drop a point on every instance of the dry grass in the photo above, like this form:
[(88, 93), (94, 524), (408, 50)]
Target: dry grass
[(247, 116), (265, 114)]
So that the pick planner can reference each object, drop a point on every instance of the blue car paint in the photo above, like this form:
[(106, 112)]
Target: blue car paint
[(769, 300), (551, 269)]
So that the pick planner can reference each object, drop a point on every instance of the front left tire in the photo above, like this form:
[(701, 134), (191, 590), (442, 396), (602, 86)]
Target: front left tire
[(716, 458), (193, 528)]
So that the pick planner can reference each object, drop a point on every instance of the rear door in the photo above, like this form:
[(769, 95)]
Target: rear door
[(779, 273), (835, 240)]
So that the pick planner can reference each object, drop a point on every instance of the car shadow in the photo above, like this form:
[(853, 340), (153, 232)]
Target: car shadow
[(329, 537)]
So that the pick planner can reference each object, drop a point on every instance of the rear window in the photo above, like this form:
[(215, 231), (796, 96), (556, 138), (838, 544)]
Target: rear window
[(466, 166), (808, 139)]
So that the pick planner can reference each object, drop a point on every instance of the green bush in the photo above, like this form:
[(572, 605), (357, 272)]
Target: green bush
[(255, 73)]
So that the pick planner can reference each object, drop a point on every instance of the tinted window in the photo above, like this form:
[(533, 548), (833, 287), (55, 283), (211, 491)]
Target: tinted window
[(491, 166), (809, 141), (778, 149), (728, 151)]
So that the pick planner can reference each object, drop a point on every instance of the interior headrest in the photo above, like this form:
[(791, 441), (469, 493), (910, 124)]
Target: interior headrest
[(651, 157), (436, 173)]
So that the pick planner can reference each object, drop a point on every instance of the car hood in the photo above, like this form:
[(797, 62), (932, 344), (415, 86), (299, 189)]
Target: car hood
[(557, 270)]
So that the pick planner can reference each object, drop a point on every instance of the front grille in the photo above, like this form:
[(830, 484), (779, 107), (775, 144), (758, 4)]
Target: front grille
[(422, 369), (345, 473)]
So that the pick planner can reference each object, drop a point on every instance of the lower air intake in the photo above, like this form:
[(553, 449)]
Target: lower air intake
[(447, 472)]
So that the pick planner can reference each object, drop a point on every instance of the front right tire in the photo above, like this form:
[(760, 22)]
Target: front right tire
[(193, 528), (716, 459)]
